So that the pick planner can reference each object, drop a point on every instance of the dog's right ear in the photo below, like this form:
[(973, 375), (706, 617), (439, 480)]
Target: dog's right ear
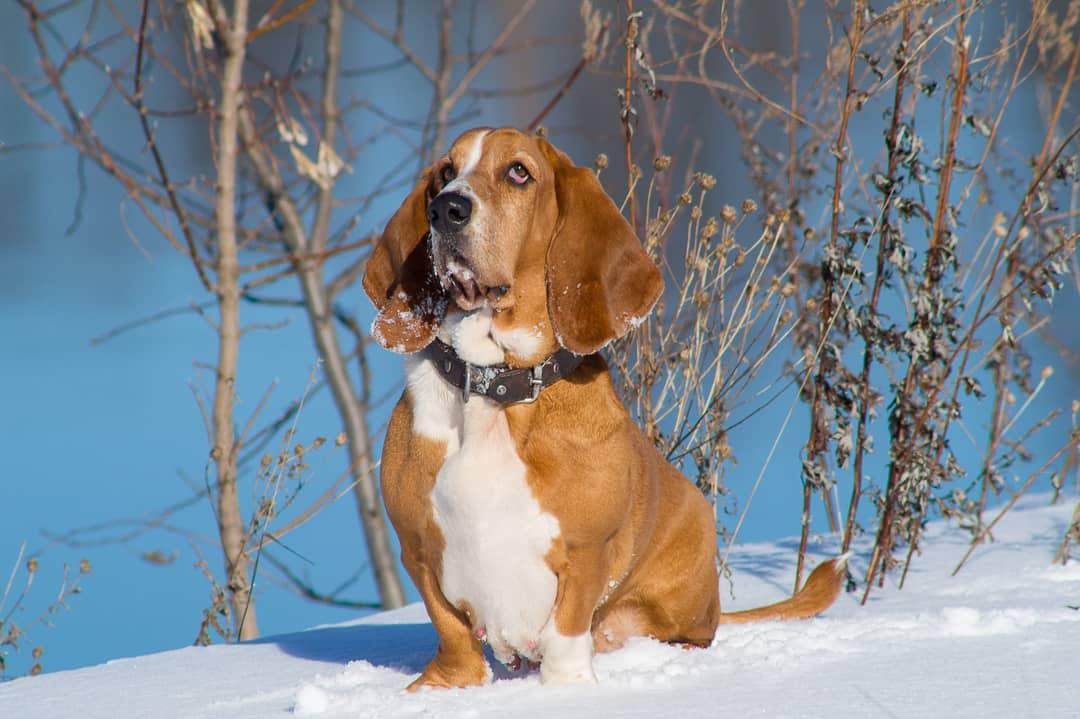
[(400, 278)]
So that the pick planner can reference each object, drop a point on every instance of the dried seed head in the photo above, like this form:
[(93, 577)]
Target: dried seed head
[(788, 289), (783, 214), (601, 161), (684, 198), (728, 215), (999, 224), (711, 228), (770, 220), (340, 439), (706, 181), (652, 242), (84, 566), (266, 460), (749, 207), (1047, 372), (32, 565), (36, 654), (811, 304), (662, 163), (695, 213), (654, 227)]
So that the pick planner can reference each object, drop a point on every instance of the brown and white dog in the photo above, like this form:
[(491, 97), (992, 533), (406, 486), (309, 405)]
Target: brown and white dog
[(550, 528)]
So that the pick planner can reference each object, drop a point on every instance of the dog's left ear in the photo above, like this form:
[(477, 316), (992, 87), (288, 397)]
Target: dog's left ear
[(400, 281), (600, 281)]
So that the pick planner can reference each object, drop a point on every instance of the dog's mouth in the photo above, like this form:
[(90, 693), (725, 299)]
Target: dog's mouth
[(466, 289)]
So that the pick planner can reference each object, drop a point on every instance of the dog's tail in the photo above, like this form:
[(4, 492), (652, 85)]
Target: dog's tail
[(820, 591)]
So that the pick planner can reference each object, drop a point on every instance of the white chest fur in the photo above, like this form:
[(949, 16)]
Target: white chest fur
[(497, 535)]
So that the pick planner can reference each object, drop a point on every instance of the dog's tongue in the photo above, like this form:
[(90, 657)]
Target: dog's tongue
[(466, 291)]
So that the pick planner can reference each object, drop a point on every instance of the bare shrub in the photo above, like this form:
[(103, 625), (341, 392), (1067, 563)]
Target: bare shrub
[(919, 248), (18, 633)]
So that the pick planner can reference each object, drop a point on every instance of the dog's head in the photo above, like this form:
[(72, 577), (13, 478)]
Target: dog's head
[(507, 223)]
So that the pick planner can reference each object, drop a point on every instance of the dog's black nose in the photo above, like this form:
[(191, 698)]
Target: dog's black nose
[(449, 212)]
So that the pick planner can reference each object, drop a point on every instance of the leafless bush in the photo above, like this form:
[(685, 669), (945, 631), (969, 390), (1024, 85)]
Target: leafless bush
[(920, 258), (15, 631), (725, 314)]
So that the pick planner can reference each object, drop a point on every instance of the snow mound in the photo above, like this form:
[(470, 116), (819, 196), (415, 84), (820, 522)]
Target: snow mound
[(997, 640)]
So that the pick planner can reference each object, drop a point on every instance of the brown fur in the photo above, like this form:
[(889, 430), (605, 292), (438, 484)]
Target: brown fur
[(636, 551)]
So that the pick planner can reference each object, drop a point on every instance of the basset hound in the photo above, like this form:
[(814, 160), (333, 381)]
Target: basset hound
[(533, 514)]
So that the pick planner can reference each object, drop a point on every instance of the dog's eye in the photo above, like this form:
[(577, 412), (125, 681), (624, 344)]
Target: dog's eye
[(518, 174), (447, 174)]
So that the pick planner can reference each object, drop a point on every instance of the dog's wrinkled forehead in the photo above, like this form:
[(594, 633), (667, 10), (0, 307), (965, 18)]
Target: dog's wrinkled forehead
[(482, 156)]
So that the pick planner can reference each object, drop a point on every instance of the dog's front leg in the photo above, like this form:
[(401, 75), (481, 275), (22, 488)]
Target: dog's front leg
[(459, 661), (566, 640)]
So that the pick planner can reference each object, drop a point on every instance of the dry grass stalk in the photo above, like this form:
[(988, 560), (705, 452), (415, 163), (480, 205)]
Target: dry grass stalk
[(725, 313)]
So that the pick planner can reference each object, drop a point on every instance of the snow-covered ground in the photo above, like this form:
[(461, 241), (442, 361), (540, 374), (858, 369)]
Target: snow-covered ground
[(998, 640)]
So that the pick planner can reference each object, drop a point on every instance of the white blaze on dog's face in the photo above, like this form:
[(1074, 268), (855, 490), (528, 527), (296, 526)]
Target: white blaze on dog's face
[(491, 216)]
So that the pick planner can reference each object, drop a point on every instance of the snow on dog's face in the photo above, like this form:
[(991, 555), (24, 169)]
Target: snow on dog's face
[(506, 223)]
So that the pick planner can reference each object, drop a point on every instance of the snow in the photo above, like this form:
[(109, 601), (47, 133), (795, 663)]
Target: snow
[(997, 640)]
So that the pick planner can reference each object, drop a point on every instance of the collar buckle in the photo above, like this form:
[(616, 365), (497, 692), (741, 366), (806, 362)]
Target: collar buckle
[(536, 383)]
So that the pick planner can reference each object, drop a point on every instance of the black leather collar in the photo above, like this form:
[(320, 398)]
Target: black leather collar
[(499, 382)]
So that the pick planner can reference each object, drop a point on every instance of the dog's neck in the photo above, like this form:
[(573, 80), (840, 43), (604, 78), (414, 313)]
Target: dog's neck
[(470, 354)]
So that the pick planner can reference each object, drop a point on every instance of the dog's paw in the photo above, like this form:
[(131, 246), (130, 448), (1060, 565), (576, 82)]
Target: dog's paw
[(567, 660), (444, 675)]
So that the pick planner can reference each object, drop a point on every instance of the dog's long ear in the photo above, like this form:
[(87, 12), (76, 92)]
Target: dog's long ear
[(600, 281), (400, 278)]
